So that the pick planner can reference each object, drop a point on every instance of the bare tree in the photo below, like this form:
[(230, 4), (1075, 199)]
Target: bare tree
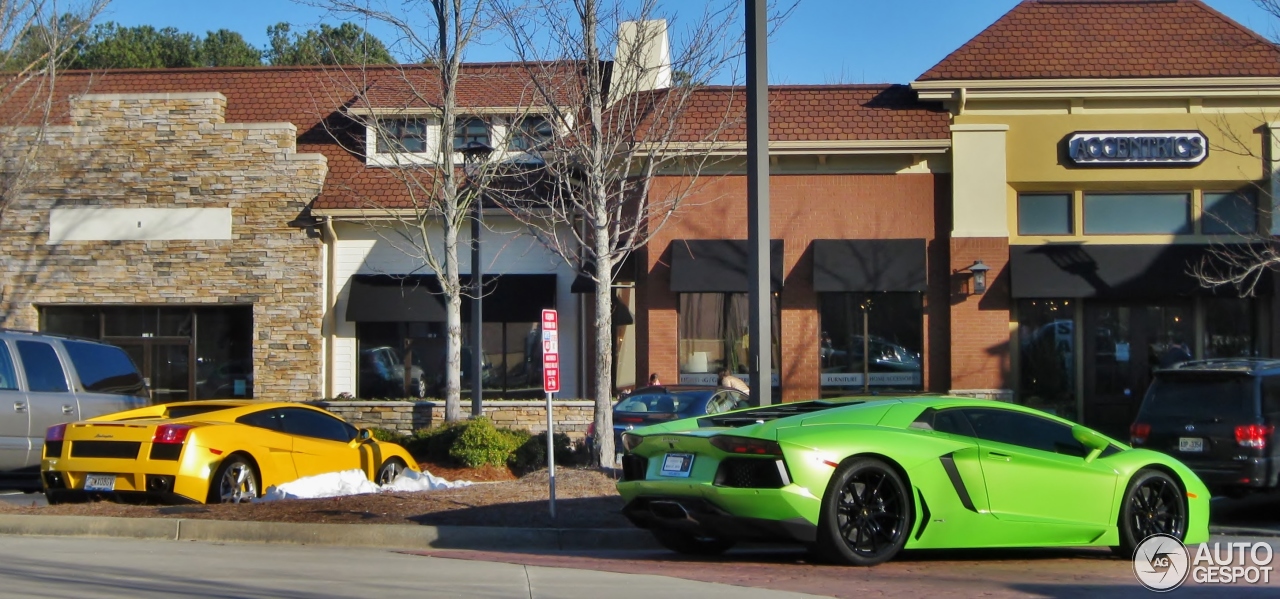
[(36, 37), (625, 153), (401, 105)]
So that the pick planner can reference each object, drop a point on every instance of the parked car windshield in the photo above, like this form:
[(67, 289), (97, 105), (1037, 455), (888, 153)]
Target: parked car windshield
[(1203, 396)]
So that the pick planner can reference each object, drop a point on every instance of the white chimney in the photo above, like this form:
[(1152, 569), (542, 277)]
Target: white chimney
[(643, 59)]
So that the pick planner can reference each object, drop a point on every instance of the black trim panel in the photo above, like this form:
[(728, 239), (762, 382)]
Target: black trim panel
[(949, 464)]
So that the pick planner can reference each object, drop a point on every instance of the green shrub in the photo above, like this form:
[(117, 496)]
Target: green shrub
[(480, 443), (387, 436), (531, 454), (433, 444)]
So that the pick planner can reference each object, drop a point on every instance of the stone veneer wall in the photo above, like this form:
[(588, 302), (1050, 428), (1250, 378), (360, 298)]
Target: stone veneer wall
[(176, 151), (571, 417)]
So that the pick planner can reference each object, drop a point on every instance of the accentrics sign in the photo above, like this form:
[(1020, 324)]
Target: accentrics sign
[(1132, 148)]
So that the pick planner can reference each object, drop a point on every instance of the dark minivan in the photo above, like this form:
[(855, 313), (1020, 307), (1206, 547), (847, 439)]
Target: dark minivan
[(1219, 418)]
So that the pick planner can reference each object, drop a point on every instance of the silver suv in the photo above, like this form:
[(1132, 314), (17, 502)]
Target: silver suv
[(49, 379)]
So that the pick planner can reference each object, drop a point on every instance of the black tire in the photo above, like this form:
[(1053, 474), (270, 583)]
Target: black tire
[(688, 544), (420, 388), (866, 514), (1153, 503), (389, 470), (235, 481)]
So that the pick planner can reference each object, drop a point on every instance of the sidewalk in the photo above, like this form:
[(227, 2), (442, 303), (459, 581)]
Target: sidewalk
[(345, 535)]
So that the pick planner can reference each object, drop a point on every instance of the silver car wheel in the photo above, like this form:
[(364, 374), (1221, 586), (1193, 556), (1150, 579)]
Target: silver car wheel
[(237, 483), (389, 471)]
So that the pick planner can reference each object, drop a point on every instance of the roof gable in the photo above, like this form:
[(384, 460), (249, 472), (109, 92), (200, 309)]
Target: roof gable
[(1082, 39)]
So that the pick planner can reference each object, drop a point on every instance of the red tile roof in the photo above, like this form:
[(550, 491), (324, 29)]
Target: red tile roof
[(816, 113), (1054, 39), (311, 99)]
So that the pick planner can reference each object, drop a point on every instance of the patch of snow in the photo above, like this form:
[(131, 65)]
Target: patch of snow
[(354, 482)]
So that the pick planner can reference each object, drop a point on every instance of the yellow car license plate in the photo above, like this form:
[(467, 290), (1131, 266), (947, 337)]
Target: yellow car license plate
[(100, 482)]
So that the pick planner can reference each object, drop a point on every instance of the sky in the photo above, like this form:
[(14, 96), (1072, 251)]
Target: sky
[(823, 41)]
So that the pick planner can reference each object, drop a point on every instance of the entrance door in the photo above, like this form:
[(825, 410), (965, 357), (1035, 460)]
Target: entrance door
[(1124, 342), (166, 364)]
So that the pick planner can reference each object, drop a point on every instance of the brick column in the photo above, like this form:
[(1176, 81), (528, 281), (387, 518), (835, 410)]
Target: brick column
[(980, 323)]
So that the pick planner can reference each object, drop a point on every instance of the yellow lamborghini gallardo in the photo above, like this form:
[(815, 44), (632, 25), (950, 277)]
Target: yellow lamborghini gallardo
[(224, 451)]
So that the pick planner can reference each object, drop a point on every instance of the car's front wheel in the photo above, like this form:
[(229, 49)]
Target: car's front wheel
[(688, 544), (866, 514), (389, 471), (234, 482), (1153, 504)]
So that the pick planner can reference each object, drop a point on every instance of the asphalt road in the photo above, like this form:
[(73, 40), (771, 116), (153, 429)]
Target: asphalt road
[(64, 567)]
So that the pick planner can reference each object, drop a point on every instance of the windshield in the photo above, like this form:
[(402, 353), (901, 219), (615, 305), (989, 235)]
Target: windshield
[(663, 403), (1201, 396)]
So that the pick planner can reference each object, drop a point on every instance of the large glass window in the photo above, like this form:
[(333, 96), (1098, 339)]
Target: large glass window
[(529, 133), (402, 135), (470, 130), (1046, 332), (713, 335), (1044, 214), (1229, 327), (407, 359), (889, 349), (1229, 213), (1137, 213)]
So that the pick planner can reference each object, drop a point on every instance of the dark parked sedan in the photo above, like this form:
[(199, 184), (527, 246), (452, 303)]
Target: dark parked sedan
[(651, 405)]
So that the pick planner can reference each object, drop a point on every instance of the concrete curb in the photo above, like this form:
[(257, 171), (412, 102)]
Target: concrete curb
[(399, 536), (1243, 531)]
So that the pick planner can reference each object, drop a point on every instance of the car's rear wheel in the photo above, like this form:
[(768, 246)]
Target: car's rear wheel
[(689, 544), (389, 471), (866, 514), (420, 387), (234, 482), (1153, 504)]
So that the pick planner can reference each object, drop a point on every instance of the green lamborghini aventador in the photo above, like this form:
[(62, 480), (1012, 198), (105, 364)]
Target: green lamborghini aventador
[(860, 480)]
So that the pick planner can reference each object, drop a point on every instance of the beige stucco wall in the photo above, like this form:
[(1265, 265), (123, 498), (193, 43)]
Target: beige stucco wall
[(175, 151)]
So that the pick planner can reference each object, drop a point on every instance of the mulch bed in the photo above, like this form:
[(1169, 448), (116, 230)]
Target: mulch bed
[(585, 498)]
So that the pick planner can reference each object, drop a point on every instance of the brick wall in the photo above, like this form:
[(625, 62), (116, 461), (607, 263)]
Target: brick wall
[(571, 417), (803, 208), (176, 151), (980, 323)]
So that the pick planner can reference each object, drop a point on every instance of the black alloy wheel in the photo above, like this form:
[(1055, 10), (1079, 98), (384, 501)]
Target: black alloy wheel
[(866, 514), (1153, 504)]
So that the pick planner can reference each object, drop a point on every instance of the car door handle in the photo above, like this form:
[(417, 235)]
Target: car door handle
[(68, 409), (997, 455), (19, 406)]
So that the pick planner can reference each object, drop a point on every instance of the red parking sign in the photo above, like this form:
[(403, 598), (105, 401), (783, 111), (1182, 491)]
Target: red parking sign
[(550, 351)]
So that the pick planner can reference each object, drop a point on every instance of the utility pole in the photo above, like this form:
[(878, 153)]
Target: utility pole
[(760, 353)]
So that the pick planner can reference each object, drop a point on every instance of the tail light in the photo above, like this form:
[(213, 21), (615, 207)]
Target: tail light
[(1254, 435), (630, 441), (171, 434), (1138, 433), (56, 432), (629, 420), (746, 445)]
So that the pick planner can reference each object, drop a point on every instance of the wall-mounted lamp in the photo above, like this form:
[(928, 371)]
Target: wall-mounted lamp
[(979, 271)]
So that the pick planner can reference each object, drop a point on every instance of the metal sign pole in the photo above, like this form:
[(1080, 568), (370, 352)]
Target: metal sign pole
[(551, 458)]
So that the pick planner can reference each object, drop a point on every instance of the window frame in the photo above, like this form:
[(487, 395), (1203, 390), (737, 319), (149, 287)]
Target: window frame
[(1187, 229), (8, 369), (521, 138), (384, 138), (1071, 212), (462, 134)]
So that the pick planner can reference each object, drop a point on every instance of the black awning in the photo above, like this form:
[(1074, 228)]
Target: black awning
[(718, 266), (1111, 271), (513, 298), (395, 298), (851, 265), (418, 298)]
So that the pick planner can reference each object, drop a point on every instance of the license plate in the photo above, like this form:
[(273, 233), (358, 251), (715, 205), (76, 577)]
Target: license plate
[(1190, 444), (677, 464), (100, 482)]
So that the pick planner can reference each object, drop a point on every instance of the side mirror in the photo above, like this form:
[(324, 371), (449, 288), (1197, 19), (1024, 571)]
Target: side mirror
[(362, 436), (1095, 442)]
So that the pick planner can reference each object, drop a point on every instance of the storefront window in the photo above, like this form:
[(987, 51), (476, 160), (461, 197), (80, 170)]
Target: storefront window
[(1044, 214), (1229, 213), (1046, 332), (1137, 213), (1228, 327), (891, 353), (713, 334), (408, 359)]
